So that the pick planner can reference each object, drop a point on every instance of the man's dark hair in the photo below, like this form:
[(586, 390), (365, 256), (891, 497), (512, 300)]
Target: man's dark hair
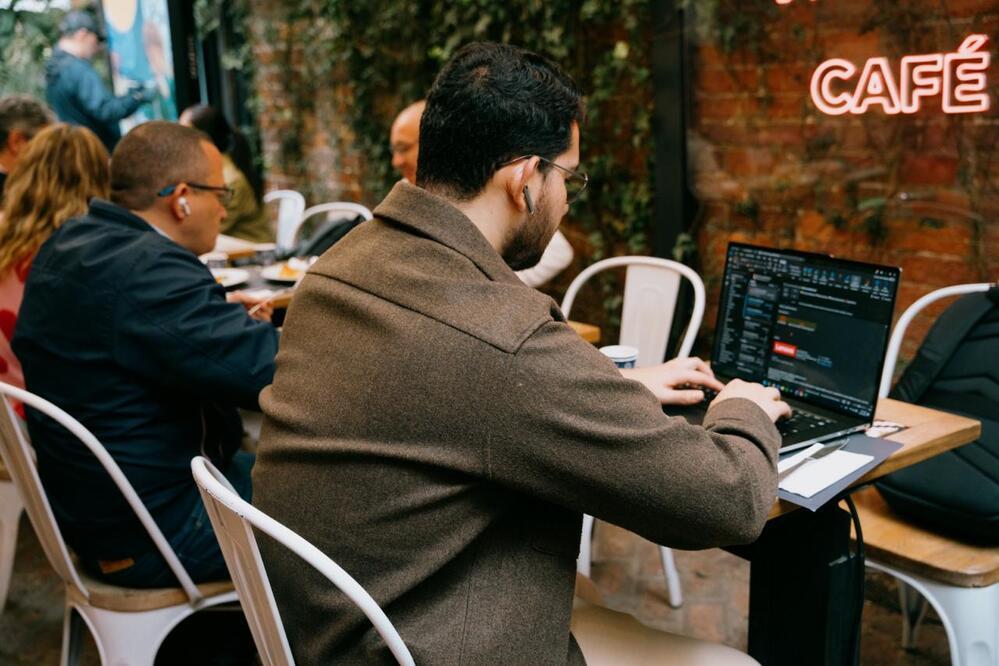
[(23, 113), (492, 103), (153, 156)]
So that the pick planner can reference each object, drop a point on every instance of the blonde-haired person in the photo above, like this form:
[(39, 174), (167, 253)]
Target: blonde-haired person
[(62, 168)]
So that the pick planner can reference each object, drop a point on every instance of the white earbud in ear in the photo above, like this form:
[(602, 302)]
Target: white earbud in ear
[(184, 206)]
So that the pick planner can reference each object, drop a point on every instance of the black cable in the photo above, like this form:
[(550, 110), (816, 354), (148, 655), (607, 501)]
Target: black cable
[(859, 560)]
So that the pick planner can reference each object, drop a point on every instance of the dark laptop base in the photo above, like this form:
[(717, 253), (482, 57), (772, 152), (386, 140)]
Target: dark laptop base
[(836, 425)]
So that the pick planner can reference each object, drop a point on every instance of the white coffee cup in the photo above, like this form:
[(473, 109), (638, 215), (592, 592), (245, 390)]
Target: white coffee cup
[(623, 356)]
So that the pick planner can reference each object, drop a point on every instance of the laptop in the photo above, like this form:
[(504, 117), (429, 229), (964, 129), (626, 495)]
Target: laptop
[(811, 325)]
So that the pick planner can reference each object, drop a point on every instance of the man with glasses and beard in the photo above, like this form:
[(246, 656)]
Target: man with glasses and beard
[(438, 429), (405, 145)]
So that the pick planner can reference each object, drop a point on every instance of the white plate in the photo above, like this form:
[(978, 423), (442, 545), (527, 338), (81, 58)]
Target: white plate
[(281, 273), (230, 277)]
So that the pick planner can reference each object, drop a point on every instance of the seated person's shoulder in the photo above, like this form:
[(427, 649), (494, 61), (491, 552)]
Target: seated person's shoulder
[(428, 279)]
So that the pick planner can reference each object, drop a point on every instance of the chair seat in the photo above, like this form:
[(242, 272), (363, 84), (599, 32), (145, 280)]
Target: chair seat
[(892, 541), (131, 600)]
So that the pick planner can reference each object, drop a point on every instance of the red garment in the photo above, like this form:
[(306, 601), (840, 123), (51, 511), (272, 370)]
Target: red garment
[(11, 294)]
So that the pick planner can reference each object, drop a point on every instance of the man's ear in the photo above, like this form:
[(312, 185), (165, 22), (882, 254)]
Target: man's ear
[(17, 141), (178, 202), (518, 178)]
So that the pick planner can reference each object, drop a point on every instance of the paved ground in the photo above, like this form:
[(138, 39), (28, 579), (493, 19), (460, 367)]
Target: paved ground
[(626, 569)]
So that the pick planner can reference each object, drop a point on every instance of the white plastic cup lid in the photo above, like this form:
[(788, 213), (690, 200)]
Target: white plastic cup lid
[(620, 353)]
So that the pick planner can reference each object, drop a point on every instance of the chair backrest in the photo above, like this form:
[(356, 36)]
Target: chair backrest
[(17, 455), (291, 205), (650, 294), (233, 520), (897, 335), (345, 208)]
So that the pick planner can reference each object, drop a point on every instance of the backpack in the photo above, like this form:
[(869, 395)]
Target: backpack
[(955, 370)]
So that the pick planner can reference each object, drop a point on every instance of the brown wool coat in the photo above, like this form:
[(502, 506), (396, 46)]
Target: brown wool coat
[(438, 430)]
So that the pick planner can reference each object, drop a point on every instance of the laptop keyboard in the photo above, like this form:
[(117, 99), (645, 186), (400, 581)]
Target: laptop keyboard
[(800, 420)]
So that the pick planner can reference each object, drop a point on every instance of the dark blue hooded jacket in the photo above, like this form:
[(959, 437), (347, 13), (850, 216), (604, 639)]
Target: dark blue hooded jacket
[(77, 95)]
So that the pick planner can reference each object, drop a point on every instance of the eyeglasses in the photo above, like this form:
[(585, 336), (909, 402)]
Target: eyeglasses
[(224, 194), (575, 181)]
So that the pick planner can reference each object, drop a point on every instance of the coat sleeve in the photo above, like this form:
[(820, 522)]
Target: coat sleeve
[(572, 430), (174, 327), (97, 102)]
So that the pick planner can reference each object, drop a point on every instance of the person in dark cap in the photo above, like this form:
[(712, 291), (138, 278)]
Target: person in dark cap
[(76, 92)]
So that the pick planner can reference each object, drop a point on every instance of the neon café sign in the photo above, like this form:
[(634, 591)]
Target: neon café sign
[(959, 78)]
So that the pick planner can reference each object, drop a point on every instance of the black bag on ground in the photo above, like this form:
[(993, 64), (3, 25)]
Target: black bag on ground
[(956, 370)]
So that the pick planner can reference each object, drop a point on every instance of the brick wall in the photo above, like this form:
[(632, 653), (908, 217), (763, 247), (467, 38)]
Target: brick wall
[(294, 120), (766, 166), (770, 169)]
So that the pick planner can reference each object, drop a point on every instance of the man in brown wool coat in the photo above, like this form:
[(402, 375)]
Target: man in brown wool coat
[(438, 429)]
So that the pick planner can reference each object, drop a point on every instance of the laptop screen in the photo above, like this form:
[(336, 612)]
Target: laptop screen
[(813, 326)]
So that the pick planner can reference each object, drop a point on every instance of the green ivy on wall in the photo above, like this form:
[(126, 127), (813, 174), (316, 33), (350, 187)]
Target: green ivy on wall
[(26, 39), (390, 50)]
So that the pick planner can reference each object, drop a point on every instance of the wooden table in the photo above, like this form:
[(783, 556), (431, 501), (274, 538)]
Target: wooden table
[(930, 432), (588, 332), (806, 580)]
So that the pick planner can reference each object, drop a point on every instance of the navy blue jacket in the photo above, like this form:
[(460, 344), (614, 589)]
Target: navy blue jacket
[(77, 95), (128, 332)]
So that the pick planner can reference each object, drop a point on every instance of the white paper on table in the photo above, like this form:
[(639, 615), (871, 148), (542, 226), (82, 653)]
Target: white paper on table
[(814, 476)]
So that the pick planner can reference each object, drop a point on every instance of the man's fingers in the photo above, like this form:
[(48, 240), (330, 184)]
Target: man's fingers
[(698, 378), (702, 366), (684, 397)]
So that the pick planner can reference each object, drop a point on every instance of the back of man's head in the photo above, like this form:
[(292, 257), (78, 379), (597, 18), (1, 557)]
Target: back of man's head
[(492, 103), (23, 114), (153, 156)]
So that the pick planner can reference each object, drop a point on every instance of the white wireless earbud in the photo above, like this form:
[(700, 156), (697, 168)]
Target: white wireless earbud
[(184, 206)]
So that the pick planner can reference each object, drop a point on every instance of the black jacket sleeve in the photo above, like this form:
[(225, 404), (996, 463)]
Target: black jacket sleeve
[(174, 326), (95, 100)]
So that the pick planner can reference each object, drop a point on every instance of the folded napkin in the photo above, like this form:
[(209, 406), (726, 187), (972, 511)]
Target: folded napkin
[(814, 476)]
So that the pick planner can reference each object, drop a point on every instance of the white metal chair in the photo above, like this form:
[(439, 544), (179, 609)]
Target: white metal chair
[(127, 624), (650, 295), (10, 515), (291, 205), (970, 615), (338, 208), (234, 520)]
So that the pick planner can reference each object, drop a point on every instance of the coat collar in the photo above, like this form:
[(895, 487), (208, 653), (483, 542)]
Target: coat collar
[(436, 218)]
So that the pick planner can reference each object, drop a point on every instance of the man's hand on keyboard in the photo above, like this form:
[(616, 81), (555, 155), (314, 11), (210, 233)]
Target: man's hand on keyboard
[(768, 398), (666, 381)]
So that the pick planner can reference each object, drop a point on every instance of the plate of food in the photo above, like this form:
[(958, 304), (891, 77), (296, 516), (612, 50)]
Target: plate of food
[(286, 272), (230, 277)]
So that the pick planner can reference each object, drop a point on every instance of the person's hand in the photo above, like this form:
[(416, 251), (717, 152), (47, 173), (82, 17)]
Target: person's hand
[(665, 380), (258, 308), (143, 92), (767, 398)]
